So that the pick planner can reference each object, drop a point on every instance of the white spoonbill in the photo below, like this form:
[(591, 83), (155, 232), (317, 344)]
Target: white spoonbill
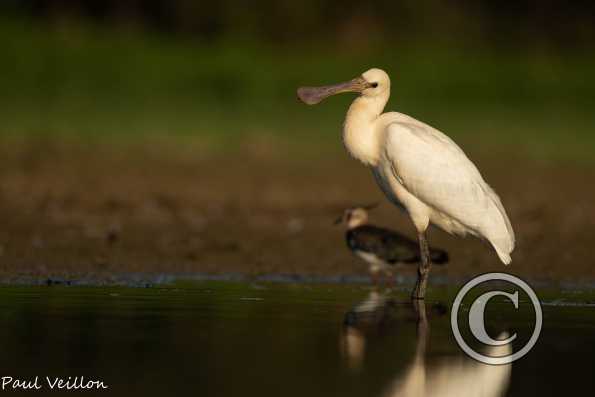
[(419, 169)]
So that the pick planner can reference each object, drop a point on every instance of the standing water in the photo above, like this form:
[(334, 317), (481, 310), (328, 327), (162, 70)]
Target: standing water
[(242, 339)]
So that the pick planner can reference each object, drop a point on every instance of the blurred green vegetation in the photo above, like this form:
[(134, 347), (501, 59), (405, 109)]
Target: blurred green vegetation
[(80, 80)]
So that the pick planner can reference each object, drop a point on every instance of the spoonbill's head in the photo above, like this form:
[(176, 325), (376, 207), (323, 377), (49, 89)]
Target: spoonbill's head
[(354, 217), (374, 82)]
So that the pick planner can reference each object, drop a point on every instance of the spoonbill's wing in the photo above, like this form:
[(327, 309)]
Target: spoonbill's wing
[(436, 171)]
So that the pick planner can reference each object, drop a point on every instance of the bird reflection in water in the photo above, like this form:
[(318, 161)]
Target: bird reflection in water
[(458, 376), (364, 319)]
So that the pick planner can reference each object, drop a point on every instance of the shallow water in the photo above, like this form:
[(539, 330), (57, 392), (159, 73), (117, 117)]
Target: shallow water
[(228, 339)]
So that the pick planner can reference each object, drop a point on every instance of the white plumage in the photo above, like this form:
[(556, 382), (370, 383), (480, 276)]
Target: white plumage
[(418, 168), (437, 183)]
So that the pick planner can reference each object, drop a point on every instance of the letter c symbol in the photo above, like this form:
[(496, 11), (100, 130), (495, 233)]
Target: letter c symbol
[(477, 320)]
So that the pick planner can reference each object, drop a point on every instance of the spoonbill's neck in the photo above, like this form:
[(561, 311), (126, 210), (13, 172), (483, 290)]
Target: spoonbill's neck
[(361, 134)]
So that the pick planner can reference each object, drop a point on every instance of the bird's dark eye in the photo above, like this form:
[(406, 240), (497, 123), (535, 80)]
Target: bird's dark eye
[(374, 85)]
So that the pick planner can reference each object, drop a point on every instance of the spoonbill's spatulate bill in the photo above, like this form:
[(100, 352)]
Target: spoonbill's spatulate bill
[(419, 169)]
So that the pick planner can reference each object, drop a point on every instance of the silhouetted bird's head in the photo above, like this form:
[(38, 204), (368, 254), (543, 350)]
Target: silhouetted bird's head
[(353, 217)]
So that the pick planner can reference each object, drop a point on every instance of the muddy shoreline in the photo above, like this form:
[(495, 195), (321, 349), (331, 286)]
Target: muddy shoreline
[(75, 211)]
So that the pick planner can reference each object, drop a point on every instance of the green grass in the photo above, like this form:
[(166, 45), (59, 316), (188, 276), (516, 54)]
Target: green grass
[(87, 82)]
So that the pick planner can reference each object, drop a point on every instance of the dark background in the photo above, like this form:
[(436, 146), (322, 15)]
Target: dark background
[(165, 136), (555, 24)]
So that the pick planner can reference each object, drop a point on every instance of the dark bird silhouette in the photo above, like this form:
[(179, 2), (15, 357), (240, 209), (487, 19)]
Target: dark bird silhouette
[(381, 248)]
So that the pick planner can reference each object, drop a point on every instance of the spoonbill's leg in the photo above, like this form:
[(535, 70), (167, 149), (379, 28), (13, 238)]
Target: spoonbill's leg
[(422, 326), (419, 292)]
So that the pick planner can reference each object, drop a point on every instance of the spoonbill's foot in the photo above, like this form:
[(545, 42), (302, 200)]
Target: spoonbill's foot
[(419, 292)]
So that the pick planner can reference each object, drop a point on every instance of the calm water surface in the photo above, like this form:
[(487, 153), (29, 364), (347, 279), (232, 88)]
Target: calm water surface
[(241, 339)]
